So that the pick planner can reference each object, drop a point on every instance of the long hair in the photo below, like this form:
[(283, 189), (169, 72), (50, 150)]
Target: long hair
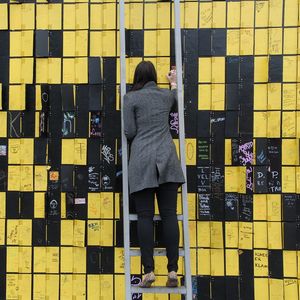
[(144, 72)]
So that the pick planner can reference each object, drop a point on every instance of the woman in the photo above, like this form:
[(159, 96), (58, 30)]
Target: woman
[(153, 166)]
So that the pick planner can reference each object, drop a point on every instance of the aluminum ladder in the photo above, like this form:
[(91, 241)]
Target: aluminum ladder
[(128, 252)]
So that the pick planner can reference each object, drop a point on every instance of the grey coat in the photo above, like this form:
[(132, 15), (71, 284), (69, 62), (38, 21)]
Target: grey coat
[(146, 126)]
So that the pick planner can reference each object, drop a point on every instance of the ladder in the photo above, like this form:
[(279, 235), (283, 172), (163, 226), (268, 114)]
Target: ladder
[(185, 290)]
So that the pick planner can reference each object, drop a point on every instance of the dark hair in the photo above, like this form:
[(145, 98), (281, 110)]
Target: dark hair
[(144, 72)]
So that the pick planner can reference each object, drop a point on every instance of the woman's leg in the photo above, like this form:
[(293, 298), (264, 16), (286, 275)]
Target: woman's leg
[(144, 204), (167, 204)]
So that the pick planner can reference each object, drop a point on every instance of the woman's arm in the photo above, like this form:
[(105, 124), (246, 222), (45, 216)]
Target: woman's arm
[(129, 118)]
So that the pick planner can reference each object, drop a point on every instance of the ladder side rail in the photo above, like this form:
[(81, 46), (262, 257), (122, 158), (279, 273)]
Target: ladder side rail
[(125, 193), (178, 57)]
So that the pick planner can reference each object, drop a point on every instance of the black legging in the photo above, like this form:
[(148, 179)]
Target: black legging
[(166, 195)]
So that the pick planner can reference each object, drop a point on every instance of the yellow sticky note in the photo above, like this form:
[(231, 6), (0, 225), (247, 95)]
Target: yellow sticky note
[(96, 43), (261, 263), (217, 262), (54, 16), (96, 16), (27, 146), (288, 179), (233, 14), (27, 16), (218, 96), (289, 96), (79, 233), (261, 14), (232, 262), (41, 70), (247, 14), (52, 286), (24, 260), (106, 232), (261, 41), (2, 231), (235, 179), (245, 235), (25, 232), (203, 233), (40, 178), (290, 151), (54, 70), (274, 207), (261, 69), (246, 41), (290, 288), (276, 288), (204, 97), (14, 178), (289, 124), (233, 42), (69, 16), (39, 204), (260, 124), (68, 70), (12, 259), (15, 17), (80, 151), (106, 205), (25, 285), (275, 41), (66, 259), (2, 205), (3, 122), (39, 286), (39, 259), (68, 151), (204, 261), (67, 228), (17, 97), (274, 118), (261, 288), (219, 14), (69, 42), (93, 231), (52, 259), (260, 233), (79, 255), (231, 234), (42, 16), (14, 151), (274, 235), (216, 233), (82, 15), (289, 263), (3, 16), (26, 178), (275, 12)]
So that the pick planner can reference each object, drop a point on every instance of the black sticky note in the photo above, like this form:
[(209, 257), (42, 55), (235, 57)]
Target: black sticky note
[(82, 125), (38, 232), (246, 287), (232, 69), (4, 42), (203, 123), (246, 120), (232, 287), (247, 68), (54, 149), (67, 178), (204, 42), (203, 151), (55, 43), (231, 206), (53, 233), (94, 176), (274, 179), (246, 151), (235, 155), (217, 150), (81, 178), (246, 208), (55, 116), (231, 124), (274, 151), (68, 124), (14, 124), (4, 77), (52, 206), (27, 205), (275, 68), (203, 287), (93, 260), (135, 39), (107, 259), (109, 72), (96, 124), (261, 151), (94, 70), (218, 42), (289, 235), (232, 96), (93, 150), (67, 95), (275, 264), (12, 205), (203, 179), (191, 174), (95, 98), (28, 124), (204, 207), (40, 150), (289, 207), (246, 263), (217, 179), (217, 124), (2, 264), (218, 287), (261, 179), (217, 207), (3, 177), (70, 205), (41, 43)]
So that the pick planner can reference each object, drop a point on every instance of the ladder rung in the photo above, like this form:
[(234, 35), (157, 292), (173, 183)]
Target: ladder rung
[(156, 252), (133, 217), (159, 290)]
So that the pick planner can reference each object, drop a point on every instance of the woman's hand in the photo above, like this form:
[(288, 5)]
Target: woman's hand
[(172, 76)]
